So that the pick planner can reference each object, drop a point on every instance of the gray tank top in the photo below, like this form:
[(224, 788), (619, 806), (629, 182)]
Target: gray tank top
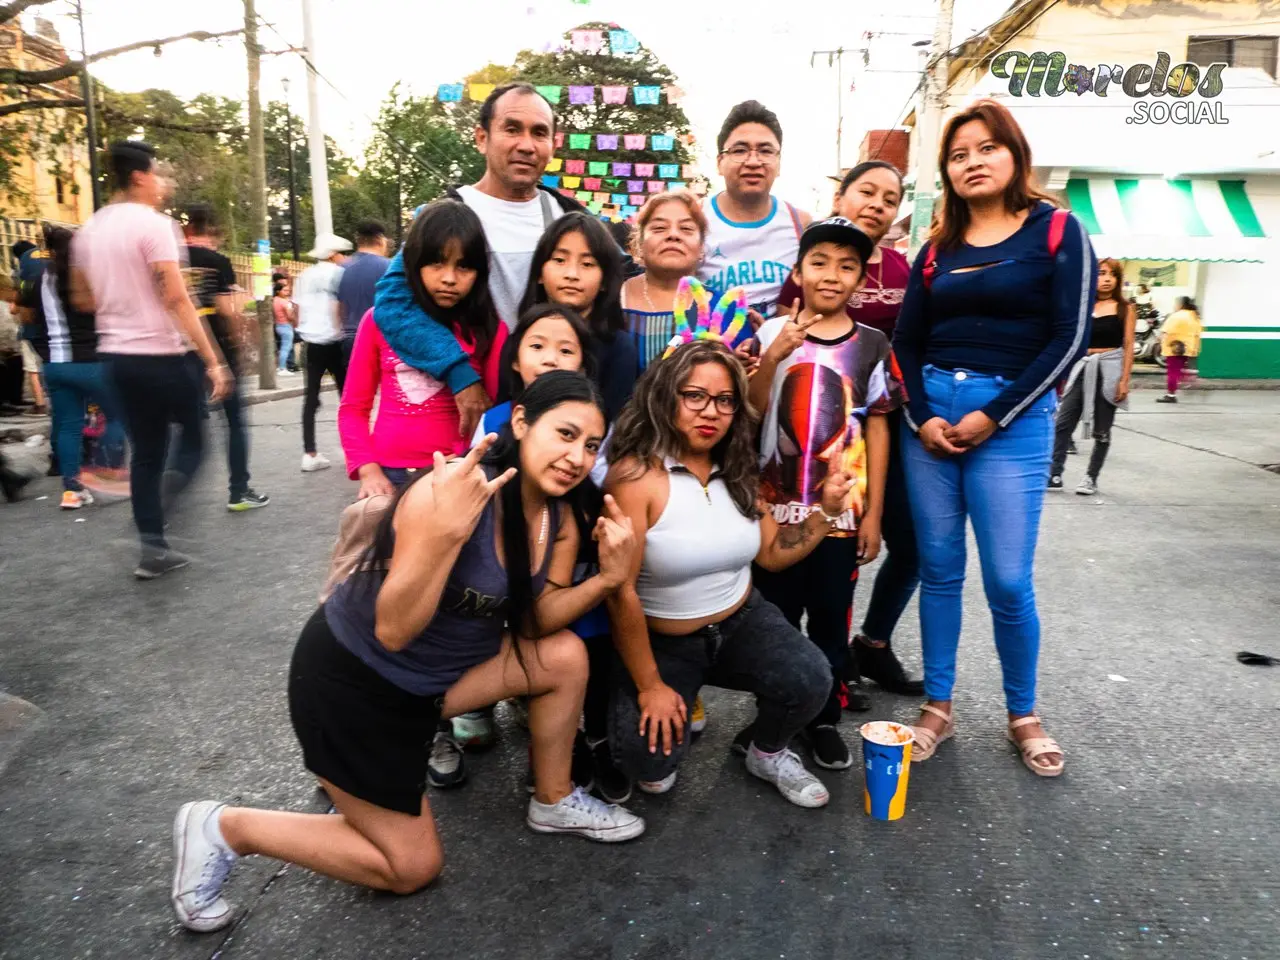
[(466, 630)]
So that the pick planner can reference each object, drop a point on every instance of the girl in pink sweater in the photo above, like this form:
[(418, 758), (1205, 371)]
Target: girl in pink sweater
[(447, 269)]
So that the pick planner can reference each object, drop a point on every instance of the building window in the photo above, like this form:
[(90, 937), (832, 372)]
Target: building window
[(1257, 52), (59, 193)]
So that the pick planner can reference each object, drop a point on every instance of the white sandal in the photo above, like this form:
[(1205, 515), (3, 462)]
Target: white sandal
[(926, 740), (1033, 748)]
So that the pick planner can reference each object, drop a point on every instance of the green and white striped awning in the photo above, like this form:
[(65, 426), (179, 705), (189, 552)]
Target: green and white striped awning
[(1206, 220)]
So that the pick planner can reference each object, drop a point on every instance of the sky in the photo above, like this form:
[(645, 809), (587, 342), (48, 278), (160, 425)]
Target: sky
[(722, 51)]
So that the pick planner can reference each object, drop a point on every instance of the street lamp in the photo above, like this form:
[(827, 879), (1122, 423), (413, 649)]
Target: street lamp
[(293, 204)]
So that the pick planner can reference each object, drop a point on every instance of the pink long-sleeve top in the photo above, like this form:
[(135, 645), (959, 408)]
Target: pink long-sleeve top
[(417, 414)]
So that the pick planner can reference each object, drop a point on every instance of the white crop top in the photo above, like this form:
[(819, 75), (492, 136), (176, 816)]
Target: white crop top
[(697, 557)]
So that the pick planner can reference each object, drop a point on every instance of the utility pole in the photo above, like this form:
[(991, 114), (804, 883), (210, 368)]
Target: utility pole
[(399, 205), (293, 190), (929, 120), (315, 132), (836, 58), (90, 117), (258, 203)]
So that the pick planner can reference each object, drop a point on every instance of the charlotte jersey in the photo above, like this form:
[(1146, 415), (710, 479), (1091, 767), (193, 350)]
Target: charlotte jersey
[(820, 400), (757, 255)]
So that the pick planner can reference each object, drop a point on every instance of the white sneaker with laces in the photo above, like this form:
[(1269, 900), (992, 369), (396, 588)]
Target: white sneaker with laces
[(201, 866), (586, 816), (1088, 487), (785, 771), (312, 462), (658, 786)]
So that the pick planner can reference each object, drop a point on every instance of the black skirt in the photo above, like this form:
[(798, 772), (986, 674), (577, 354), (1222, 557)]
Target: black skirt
[(358, 730)]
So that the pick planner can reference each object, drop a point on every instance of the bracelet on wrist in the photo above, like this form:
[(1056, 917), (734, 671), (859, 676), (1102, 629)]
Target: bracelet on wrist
[(828, 517)]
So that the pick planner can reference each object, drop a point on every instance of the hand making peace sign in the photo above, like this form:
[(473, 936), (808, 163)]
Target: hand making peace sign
[(791, 336)]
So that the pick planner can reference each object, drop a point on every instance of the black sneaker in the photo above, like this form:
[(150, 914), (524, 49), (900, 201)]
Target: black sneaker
[(852, 697), (583, 769), (247, 500), (1055, 482), (1167, 398), (829, 749), (881, 665), (158, 563), (742, 742), (446, 767), (1071, 447), (611, 784)]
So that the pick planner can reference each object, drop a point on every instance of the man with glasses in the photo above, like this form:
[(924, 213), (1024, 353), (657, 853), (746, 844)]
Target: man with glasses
[(752, 238)]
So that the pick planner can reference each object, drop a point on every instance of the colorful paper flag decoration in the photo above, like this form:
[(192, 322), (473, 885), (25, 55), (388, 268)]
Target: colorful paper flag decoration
[(657, 186), (674, 93), (579, 141), (606, 141), (479, 92), (592, 183), (559, 139), (586, 41), (638, 199), (622, 169), (676, 185), (644, 169), (582, 94), (575, 166), (449, 93), (668, 171), (619, 198), (549, 180), (565, 192), (572, 182), (634, 141), (647, 96), (583, 195), (689, 170), (622, 41), (614, 94), (598, 168), (662, 142), (635, 186), (601, 198), (550, 92), (554, 164), (628, 211)]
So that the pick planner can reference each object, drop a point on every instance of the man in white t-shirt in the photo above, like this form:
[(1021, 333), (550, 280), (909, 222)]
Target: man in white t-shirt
[(752, 237), (320, 328)]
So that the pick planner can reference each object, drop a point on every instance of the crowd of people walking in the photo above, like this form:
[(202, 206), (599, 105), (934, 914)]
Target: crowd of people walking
[(600, 479)]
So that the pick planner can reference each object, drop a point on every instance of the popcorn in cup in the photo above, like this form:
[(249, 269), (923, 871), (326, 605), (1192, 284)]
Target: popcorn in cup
[(886, 755)]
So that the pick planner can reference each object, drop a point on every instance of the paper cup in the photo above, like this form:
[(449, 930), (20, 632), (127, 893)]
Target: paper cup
[(886, 755)]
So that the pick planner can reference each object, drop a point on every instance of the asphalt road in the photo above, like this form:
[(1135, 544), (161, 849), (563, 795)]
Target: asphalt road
[(1159, 841)]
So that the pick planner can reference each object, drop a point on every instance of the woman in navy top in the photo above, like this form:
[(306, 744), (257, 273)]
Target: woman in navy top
[(997, 309)]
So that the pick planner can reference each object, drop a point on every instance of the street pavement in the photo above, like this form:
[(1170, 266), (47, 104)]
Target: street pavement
[(1159, 841)]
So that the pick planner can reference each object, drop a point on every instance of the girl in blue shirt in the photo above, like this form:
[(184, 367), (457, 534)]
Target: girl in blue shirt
[(997, 309)]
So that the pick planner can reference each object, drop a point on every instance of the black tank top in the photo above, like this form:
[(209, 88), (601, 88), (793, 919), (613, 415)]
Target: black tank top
[(1108, 332)]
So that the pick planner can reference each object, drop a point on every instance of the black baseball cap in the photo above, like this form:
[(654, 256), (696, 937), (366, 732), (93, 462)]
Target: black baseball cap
[(836, 230)]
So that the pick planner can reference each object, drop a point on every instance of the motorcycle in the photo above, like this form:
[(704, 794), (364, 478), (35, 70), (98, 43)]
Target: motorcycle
[(1146, 335)]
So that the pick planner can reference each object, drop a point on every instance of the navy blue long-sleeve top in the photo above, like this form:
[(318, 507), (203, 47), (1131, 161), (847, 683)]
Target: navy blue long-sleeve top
[(1024, 315)]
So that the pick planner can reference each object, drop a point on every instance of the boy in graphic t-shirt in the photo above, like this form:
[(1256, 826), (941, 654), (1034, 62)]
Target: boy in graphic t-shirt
[(824, 385)]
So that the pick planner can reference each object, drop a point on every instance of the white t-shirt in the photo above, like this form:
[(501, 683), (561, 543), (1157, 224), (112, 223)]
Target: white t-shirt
[(316, 294), (512, 229), (758, 256)]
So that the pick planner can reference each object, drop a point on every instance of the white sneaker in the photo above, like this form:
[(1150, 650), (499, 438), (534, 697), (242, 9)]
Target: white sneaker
[(785, 771), (312, 462), (286, 372), (586, 816), (1088, 487), (658, 786), (201, 866)]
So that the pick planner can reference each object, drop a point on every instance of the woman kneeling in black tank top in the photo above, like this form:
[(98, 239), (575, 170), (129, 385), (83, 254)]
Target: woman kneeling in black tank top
[(471, 559)]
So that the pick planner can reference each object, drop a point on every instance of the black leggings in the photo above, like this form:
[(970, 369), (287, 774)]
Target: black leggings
[(321, 358), (1069, 413)]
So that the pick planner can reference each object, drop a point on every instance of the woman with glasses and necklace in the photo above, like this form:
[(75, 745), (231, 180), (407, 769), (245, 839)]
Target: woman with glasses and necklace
[(683, 469), (752, 238)]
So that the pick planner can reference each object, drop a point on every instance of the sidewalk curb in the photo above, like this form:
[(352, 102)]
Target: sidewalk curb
[(18, 720)]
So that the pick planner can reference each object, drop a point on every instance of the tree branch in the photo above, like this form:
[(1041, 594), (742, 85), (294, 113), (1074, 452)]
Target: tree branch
[(73, 67), (10, 10), (22, 106)]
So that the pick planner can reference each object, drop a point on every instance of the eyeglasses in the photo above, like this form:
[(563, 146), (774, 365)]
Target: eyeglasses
[(740, 152), (695, 401)]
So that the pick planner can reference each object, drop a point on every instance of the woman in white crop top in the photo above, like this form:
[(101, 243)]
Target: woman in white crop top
[(683, 468)]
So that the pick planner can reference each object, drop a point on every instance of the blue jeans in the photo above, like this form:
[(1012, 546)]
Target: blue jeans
[(70, 385), (999, 486), (285, 332)]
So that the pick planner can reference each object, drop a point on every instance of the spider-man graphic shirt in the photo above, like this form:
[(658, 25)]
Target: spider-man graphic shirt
[(822, 395)]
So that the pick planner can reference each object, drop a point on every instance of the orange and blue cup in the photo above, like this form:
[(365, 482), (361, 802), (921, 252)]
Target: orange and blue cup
[(886, 755)]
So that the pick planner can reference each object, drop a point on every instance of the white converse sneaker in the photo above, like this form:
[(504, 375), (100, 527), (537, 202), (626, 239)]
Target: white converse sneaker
[(785, 771), (658, 786), (312, 462), (201, 866), (586, 816)]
